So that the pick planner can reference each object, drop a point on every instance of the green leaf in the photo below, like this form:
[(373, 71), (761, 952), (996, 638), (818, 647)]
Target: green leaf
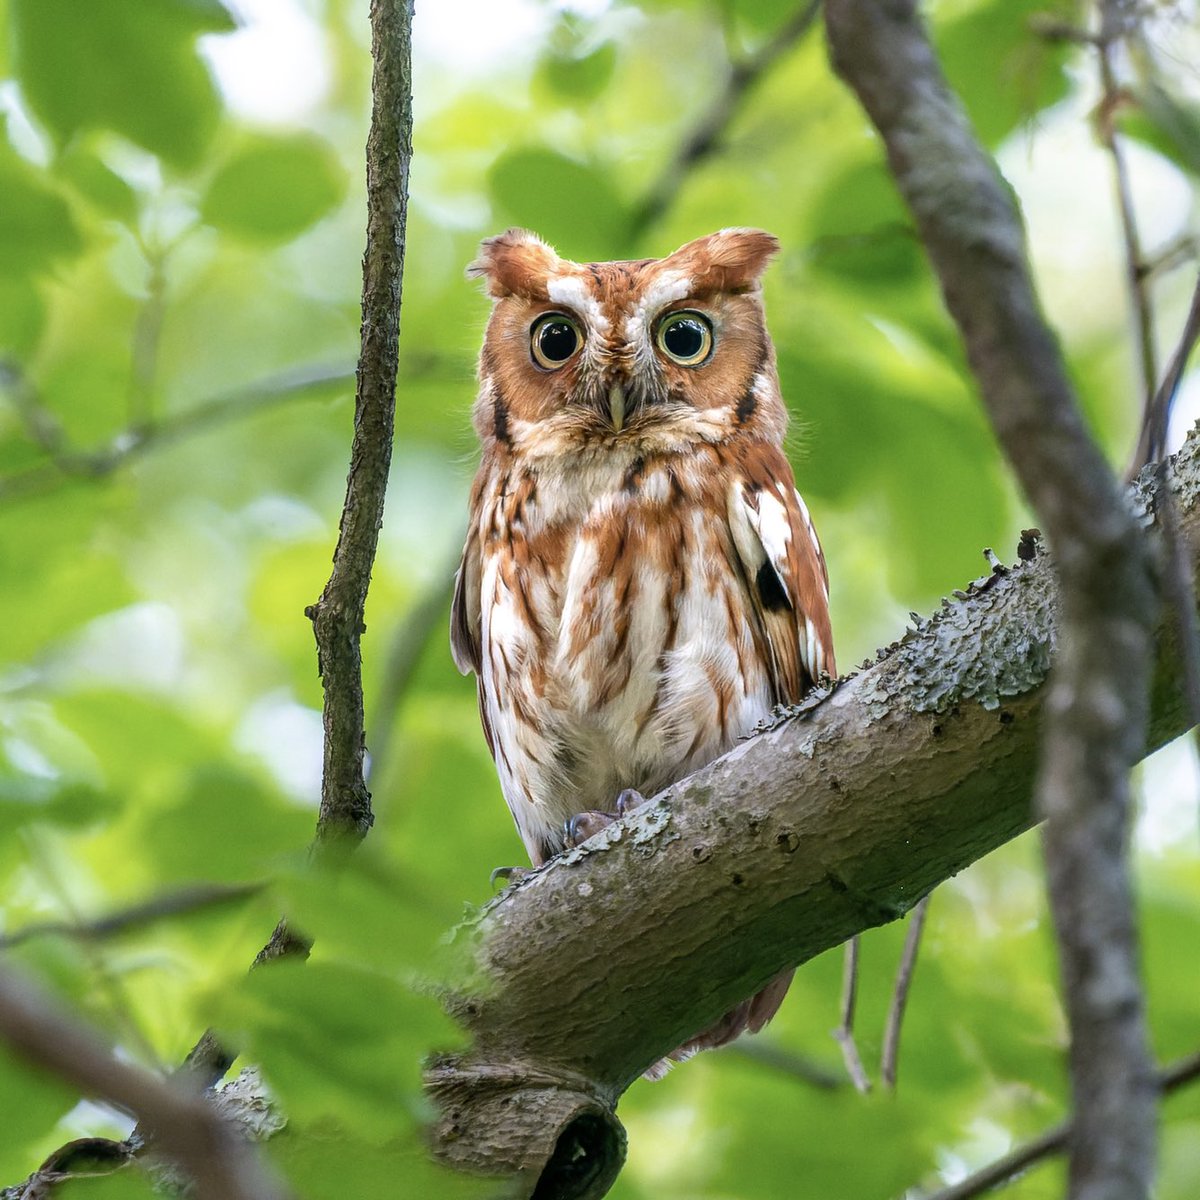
[(65, 580), (127, 1183), (334, 1040), (573, 205), (32, 1102), (97, 183), (274, 188), (861, 231), (36, 226), (329, 1161), (129, 67), (22, 316), (1166, 123), (1023, 72), (361, 905), (579, 78), (225, 826)]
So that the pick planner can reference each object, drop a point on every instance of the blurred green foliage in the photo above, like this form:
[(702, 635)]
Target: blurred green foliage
[(181, 226)]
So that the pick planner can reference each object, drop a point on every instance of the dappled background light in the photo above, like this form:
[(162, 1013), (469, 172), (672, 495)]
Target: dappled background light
[(181, 232)]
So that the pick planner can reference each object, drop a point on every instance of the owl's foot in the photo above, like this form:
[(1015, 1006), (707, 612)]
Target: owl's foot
[(510, 875), (589, 823), (584, 825), (628, 800)]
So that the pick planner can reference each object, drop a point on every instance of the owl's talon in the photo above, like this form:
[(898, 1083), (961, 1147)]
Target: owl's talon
[(628, 800), (510, 875), (584, 825)]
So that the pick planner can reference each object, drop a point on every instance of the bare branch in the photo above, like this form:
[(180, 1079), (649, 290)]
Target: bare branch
[(1156, 419), (345, 815), (706, 136), (183, 1125), (337, 616), (67, 462), (1096, 716), (787, 1062), (171, 904), (844, 1033), (1116, 22), (895, 1018), (1053, 1141)]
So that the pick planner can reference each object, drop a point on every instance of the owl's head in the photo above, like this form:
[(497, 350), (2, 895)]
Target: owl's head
[(654, 354)]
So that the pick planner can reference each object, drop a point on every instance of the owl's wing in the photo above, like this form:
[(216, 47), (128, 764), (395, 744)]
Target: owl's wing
[(466, 636), (785, 572)]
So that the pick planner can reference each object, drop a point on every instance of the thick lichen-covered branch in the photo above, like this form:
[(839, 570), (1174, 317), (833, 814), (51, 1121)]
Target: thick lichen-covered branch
[(839, 817)]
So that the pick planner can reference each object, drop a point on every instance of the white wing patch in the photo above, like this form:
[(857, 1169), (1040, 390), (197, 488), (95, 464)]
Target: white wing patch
[(762, 532)]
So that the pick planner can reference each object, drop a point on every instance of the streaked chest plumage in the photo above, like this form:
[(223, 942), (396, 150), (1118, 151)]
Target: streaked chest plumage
[(617, 649)]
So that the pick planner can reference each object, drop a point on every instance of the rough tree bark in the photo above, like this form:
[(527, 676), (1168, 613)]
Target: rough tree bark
[(839, 817)]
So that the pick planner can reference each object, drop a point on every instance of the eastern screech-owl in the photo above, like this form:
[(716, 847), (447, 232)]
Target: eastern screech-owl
[(641, 581)]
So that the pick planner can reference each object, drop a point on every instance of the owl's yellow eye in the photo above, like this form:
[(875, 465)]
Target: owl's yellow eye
[(553, 339), (686, 338)]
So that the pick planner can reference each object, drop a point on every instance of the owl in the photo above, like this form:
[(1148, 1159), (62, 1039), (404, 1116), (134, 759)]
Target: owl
[(641, 581)]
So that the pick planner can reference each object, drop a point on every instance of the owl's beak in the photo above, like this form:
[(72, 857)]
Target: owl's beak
[(616, 406)]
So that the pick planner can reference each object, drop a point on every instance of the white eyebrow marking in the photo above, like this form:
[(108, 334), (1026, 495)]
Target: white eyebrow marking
[(572, 291), (670, 287)]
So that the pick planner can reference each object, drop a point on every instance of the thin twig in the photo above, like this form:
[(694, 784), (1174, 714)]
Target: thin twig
[(708, 131), (130, 444), (895, 1018), (797, 1066), (1116, 20), (844, 1033), (1053, 1141), (172, 904), (338, 615), (221, 1164), (1152, 442)]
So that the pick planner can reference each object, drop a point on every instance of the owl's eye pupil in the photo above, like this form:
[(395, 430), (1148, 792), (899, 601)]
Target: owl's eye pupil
[(686, 338), (555, 339)]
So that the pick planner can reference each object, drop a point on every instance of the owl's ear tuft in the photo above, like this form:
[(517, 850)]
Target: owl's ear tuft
[(516, 263), (730, 260)]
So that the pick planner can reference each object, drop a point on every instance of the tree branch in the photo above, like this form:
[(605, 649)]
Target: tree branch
[(98, 462), (190, 899), (1181, 1072), (706, 135), (337, 616), (182, 1125), (838, 817), (1119, 18), (345, 815), (1096, 717)]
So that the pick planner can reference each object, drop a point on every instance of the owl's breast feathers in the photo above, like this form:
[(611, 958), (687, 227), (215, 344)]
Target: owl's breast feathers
[(629, 618)]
